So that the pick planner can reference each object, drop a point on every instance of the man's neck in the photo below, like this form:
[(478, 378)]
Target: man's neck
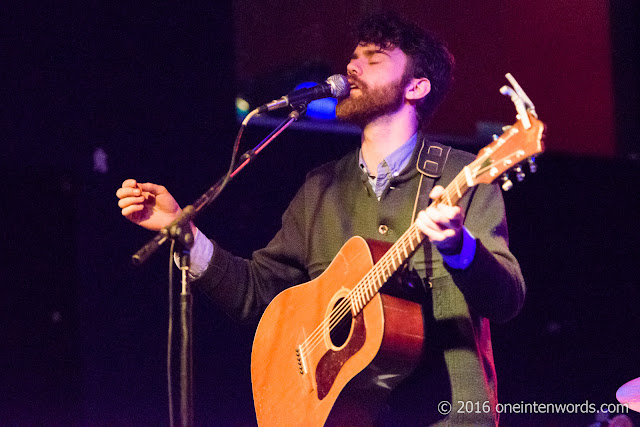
[(386, 134)]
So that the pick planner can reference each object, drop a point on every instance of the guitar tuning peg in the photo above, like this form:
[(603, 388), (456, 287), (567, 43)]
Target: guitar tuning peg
[(519, 173), (533, 167), (506, 128), (495, 137), (506, 182)]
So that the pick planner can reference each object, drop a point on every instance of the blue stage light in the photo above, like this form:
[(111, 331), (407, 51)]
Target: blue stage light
[(320, 108)]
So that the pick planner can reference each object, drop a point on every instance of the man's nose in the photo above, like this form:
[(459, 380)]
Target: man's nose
[(353, 68)]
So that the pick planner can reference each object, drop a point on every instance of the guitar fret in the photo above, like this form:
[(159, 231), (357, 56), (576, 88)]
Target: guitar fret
[(379, 279), (363, 294), (351, 308)]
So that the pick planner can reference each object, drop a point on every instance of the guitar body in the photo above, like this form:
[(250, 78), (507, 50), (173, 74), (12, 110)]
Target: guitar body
[(337, 380)]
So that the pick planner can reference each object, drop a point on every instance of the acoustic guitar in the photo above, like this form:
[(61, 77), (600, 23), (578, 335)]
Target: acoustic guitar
[(330, 350)]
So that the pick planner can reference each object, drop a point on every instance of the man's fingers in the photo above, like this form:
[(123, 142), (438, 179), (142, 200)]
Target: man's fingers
[(131, 188), (131, 209), (128, 201), (449, 232), (447, 211), (445, 216), (432, 234), (435, 215), (130, 183), (152, 188), (453, 211), (436, 192), (441, 223), (429, 227), (128, 192)]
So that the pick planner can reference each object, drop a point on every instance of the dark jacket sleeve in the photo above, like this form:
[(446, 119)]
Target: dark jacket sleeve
[(492, 285), (244, 287)]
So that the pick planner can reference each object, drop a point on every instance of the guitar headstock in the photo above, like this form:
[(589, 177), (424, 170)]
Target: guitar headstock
[(519, 143), (515, 146)]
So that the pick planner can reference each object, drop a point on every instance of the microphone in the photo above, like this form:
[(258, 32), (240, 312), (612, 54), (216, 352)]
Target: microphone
[(336, 86)]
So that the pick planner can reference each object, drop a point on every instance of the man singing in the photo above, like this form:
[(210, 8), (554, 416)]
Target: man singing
[(399, 74)]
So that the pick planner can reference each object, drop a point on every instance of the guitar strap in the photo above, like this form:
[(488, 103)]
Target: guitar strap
[(431, 161)]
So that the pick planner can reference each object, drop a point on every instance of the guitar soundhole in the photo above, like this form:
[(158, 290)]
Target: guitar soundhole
[(341, 320)]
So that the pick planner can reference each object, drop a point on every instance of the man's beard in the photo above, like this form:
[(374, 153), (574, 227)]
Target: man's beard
[(372, 103)]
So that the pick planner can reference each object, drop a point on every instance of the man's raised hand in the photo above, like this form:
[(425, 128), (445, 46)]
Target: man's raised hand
[(148, 205)]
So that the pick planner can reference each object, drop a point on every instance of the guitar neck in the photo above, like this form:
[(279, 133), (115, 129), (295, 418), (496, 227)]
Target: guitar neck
[(401, 250), (515, 145)]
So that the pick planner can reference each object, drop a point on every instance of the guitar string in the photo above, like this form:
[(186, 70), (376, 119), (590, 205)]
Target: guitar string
[(371, 283), (344, 308), (375, 278), (387, 260), (361, 290), (364, 287)]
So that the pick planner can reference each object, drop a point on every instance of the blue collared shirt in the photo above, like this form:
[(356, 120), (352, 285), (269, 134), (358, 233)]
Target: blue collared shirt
[(390, 166)]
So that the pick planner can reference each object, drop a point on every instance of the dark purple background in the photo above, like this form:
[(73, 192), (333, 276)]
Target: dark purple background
[(152, 84)]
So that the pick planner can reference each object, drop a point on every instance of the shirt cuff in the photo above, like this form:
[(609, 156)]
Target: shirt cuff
[(465, 257), (200, 255)]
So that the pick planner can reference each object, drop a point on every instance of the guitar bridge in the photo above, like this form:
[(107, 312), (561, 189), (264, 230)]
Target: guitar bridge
[(302, 364)]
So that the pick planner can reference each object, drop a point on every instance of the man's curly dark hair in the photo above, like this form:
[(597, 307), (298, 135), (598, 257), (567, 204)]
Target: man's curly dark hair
[(428, 55)]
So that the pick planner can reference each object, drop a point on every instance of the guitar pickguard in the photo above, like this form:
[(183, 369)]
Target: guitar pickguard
[(332, 361)]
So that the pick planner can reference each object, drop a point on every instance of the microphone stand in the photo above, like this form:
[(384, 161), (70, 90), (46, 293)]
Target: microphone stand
[(180, 231)]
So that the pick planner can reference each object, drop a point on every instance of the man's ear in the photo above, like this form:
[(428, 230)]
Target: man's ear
[(418, 88)]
